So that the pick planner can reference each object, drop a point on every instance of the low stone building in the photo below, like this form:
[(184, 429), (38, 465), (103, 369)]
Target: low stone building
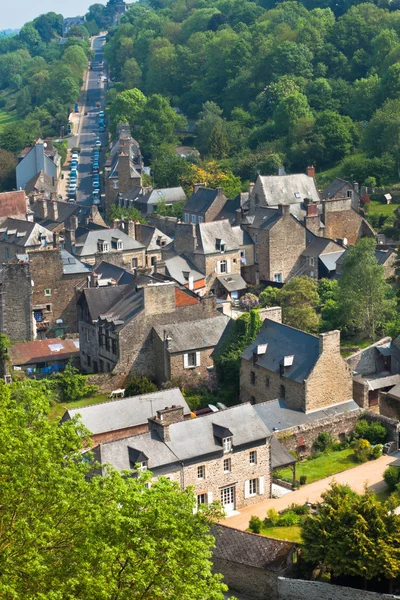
[(342, 222), (340, 189), (321, 256), (305, 371), (225, 456), (124, 418), (251, 564)]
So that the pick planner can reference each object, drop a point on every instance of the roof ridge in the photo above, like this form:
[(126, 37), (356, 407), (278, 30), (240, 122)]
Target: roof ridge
[(120, 399), (290, 327)]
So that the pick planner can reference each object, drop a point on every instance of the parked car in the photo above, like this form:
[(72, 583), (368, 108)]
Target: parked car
[(101, 114), (98, 143), (74, 172), (75, 156), (96, 184)]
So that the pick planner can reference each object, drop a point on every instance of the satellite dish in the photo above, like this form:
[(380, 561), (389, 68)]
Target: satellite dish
[(45, 145)]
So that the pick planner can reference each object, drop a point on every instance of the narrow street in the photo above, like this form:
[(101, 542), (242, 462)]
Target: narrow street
[(369, 474)]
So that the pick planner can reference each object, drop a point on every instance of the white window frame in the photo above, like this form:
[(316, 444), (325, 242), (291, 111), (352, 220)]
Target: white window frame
[(120, 245), (47, 292), (311, 261), (186, 217), (227, 465), (200, 219), (142, 466), (227, 444), (201, 472), (201, 499), (253, 487), (115, 184), (312, 274), (255, 238), (256, 258), (349, 194), (253, 457), (278, 277), (186, 364)]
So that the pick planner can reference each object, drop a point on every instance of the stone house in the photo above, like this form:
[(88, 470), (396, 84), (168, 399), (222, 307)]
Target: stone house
[(204, 204), (124, 418), (123, 169), (321, 256), (18, 237), (118, 327), (340, 189), (385, 258), (182, 270), (184, 349), (279, 241), (213, 249), (225, 456), (342, 222), (58, 216), (306, 371), (41, 185), (154, 241), (16, 313), (42, 157), (93, 245), (251, 564), (146, 198)]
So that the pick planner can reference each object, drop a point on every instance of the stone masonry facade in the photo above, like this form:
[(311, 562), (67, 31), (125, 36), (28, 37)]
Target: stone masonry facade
[(16, 319), (299, 589)]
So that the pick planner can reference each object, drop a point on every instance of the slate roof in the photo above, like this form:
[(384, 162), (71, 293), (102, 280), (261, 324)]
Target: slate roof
[(193, 335), (330, 260), (318, 245), (283, 341), (243, 238), (13, 203), (65, 212), (100, 299), (249, 549), (383, 255), (277, 415), (333, 187), (288, 189), (395, 392), (280, 457), (86, 245), (25, 353), (127, 306), (175, 194), (379, 381), (127, 412), (73, 266), (201, 200), (189, 439), (23, 233), (41, 182), (232, 206), (209, 233), (177, 264), (263, 218), (149, 236), (233, 282), (106, 270)]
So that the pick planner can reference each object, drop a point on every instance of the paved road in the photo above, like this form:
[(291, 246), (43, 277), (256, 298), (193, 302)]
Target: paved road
[(370, 474), (87, 126)]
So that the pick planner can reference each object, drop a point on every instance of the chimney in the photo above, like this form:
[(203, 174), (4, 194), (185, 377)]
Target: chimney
[(220, 191), (196, 186), (94, 280), (159, 298), (73, 223), (166, 417), (284, 210), (69, 240), (310, 171), (243, 197), (116, 223), (160, 267), (53, 210), (56, 240), (329, 342), (251, 187), (185, 238), (42, 208), (312, 210)]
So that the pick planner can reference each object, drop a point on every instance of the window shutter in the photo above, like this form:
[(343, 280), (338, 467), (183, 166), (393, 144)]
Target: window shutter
[(197, 359), (246, 489), (261, 485), (228, 266), (185, 361), (209, 497), (217, 268)]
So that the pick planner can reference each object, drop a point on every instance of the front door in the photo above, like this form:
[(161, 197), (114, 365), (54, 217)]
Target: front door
[(228, 498)]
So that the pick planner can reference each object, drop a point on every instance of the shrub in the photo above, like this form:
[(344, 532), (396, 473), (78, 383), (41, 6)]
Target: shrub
[(272, 516), (139, 385), (288, 519), (376, 451), (391, 477), (374, 432), (299, 509), (362, 450), (248, 302), (72, 385), (269, 297), (255, 524), (323, 441), (303, 479)]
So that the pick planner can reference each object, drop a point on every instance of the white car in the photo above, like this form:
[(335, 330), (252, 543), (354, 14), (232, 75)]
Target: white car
[(75, 156), (98, 143)]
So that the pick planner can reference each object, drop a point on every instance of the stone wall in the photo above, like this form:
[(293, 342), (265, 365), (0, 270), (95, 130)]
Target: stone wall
[(330, 381), (300, 439), (389, 407), (16, 319), (287, 240), (346, 224), (107, 382), (120, 258), (210, 268), (171, 366), (244, 579), (273, 313), (368, 361), (165, 224), (392, 425), (298, 589)]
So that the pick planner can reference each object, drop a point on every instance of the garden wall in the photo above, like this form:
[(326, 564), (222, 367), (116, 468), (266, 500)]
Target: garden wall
[(107, 382), (297, 589)]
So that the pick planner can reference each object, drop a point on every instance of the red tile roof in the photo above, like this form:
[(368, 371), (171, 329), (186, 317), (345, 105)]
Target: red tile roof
[(183, 299), (24, 353), (13, 203)]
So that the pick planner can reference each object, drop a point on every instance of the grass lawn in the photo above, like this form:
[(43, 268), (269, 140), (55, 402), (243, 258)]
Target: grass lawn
[(383, 495), (7, 117), (291, 534), (323, 466), (377, 208), (57, 411)]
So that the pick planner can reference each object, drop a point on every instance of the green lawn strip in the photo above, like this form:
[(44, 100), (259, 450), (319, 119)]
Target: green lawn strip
[(323, 466), (57, 411), (7, 117), (291, 533), (378, 208)]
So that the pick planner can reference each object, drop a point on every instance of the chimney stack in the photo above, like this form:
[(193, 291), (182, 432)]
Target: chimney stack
[(329, 342), (166, 417), (312, 210), (284, 210), (310, 171), (53, 210), (42, 208), (196, 186), (73, 223), (251, 187), (94, 280)]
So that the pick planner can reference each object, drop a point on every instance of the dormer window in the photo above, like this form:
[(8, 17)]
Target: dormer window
[(220, 245), (119, 245), (227, 444), (103, 246), (137, 460), (142, 466)]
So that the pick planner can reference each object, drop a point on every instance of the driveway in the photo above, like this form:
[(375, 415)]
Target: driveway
[(369, 474)]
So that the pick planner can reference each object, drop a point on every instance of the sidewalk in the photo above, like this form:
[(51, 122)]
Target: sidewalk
[(369, 474)]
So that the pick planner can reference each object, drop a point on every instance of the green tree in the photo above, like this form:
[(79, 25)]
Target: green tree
[(127, 107), (158, 124), (218, 142), (269, 297), (382, 133), (72, 385), (119, 212), (139, 385), (169, 169), (170, 210), (66, 532), (353, 535), (8, 162), (364, 297), (299, 300)]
